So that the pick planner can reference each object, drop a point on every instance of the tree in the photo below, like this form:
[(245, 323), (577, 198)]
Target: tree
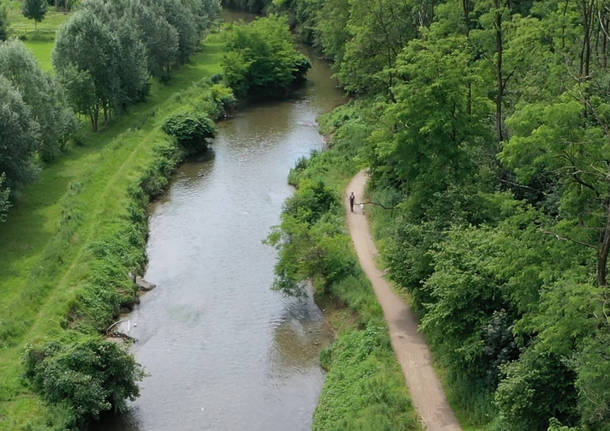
[(182, 18), (3, 21), (133, 67), (429, 138), (43, 95), (35, 9), (92, 376), (262, 56), (376, 37), (191, 131), (158, 35), (206, 12), (332, 28), (131, 61), (5, 194), (87, 48), (19, 135), (556, 140)]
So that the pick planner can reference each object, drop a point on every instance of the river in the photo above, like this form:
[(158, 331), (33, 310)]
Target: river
[(223, 350)]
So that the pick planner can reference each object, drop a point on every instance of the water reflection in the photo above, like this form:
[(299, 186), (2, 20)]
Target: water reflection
[(299, 335)]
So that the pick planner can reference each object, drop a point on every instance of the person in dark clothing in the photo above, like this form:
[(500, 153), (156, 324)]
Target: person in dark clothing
[(352, 199)]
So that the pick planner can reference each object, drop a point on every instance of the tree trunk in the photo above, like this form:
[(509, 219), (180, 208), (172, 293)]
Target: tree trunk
[(587, 10), (605, 36), (602, 254), (500, 53), (466, 7)]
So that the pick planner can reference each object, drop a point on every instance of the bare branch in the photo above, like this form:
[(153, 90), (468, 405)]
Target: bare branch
[(563, 238)]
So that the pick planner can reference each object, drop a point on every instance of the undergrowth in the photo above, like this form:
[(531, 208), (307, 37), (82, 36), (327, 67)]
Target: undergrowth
[(365, 388)]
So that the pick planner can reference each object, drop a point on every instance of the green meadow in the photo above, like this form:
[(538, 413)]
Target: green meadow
[(39, 39)]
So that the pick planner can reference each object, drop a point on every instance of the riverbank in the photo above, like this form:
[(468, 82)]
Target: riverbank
[(76, 233), (364, 387)]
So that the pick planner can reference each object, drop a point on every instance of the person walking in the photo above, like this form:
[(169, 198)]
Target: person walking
[(352, 199)]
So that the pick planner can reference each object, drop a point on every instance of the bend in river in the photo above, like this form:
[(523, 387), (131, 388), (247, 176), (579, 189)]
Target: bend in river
[(224, 352)]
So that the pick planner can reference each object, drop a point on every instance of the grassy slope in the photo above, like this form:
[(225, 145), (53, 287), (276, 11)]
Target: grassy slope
[(41, 270)]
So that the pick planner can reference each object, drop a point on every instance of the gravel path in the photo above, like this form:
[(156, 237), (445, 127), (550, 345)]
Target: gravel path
[(410, 347)]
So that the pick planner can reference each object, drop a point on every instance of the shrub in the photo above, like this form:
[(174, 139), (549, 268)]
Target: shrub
[(90, 376), (536, 388), (262, 58), (5, 193), (190, 130)]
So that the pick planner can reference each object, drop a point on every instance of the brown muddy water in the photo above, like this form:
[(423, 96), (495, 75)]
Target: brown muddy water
[(223, 350)]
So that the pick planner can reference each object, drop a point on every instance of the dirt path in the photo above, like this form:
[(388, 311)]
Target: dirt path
[(410, 347)]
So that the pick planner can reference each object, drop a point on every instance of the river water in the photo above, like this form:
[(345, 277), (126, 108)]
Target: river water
[(223, 350)]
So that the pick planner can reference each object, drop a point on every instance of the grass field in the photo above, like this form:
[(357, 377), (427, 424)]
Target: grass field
[(39, 39), (45, 255)]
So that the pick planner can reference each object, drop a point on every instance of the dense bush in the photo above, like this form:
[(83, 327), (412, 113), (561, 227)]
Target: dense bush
[(192, 131), (5, 203), (310, 242), (92, 376), (262, 57)]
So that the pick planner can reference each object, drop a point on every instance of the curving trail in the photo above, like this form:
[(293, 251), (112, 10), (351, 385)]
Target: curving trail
[(410, 347)]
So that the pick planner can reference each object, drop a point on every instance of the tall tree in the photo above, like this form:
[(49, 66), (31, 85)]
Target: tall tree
[(86, 46), (428, 137), (158, 35), (376, 37), (19, 135), (182, 18), (42, 93), (557, 140), (35, 9), (3, 21)]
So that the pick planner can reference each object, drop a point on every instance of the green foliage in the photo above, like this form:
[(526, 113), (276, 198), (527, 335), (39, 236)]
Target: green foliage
[(158, 35), (3, 22), (35, 9), (43, 95), (5, 203), (86, 49), (498, 227), (90, 376), (190, 130), (362, 379), (435, 122), (262, 56), (537, 387), (183, 19), (19, 135), (107, 50), (309, 240), (255, 6), (68, 278)]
